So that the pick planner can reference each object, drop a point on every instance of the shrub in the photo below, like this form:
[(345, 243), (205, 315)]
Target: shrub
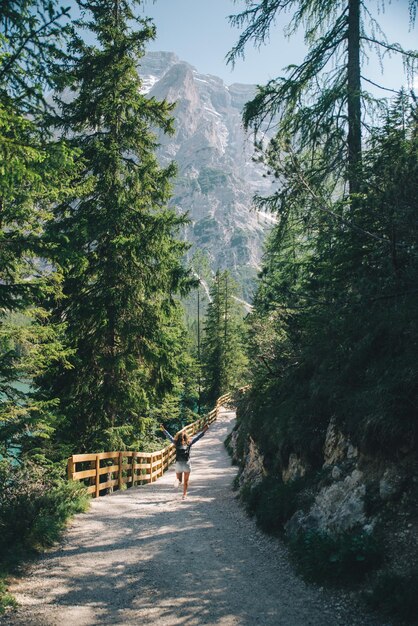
[(278, 502), (250, 496), (397, 596), (273, 502), (342, 558), (235, 483), (6, 599), (35, 503)]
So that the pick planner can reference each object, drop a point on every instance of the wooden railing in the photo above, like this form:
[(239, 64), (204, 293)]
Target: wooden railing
[(106, 471)]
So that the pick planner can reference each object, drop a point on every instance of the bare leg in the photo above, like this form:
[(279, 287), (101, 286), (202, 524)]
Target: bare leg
[(185, 483), (179, 476)]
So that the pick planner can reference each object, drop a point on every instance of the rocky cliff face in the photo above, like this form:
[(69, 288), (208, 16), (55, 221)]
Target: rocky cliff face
[(353, 491), (217, 177)]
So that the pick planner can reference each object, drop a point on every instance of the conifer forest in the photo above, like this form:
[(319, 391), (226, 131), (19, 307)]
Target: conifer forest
[(111, 324)]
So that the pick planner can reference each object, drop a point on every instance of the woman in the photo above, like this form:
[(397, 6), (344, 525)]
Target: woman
[(183, 444)]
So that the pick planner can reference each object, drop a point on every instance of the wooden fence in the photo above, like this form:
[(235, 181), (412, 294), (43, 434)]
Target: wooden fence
[(106, 471)]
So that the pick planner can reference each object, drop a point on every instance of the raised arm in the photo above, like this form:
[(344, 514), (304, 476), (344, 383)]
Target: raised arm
[(199, 435), (167, 434)]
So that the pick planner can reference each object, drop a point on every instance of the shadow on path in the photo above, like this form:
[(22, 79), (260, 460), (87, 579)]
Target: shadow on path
[(144, 556)]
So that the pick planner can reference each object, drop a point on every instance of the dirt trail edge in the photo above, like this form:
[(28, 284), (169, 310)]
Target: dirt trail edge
[(144, 556)]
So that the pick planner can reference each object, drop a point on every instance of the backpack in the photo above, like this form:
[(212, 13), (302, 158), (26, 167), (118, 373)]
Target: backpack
[(182, 454)]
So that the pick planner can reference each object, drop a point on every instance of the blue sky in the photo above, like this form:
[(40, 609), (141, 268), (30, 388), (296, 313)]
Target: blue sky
[(198, 32)]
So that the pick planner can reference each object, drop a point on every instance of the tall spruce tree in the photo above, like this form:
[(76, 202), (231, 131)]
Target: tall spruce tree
[(36, 171), (334, 329), (320, 104), (223, 356), (116, 243), (371, 283), (337, 269)]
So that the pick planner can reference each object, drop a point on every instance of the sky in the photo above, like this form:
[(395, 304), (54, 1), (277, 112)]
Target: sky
[(199, 32)]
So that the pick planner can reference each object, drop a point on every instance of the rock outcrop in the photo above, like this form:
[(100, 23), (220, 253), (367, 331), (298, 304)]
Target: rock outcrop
[(350, 490), (253, 470), (337, 508), (337, 446), (295, 469)]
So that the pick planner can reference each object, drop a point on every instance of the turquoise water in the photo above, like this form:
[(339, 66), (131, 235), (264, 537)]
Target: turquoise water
[(23, 387)]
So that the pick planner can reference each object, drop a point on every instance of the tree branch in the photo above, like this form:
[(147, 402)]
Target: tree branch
[(392, 47), (31, 36)]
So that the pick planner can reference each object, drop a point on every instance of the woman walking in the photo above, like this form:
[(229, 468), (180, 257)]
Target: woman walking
[(183, 444)]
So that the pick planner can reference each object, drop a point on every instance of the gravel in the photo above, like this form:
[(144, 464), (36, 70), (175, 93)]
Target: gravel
[(144, 556)]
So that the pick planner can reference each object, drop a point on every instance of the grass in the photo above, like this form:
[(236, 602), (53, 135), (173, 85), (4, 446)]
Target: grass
[(396, 595), (273, 502), (6, 599), (336, 559)]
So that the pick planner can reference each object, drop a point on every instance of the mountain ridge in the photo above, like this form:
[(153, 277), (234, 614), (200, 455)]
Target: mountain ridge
[(217, 176)]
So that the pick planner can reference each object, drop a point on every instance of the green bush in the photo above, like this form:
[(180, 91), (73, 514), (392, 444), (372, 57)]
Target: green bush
[(35, 503), (235, 483), (250, 496), (227, 444), (337, 559), (397, 596), (273, 502), (277, 503)]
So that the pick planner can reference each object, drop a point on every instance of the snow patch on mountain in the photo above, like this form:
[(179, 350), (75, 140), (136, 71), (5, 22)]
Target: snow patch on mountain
[(148, 83)]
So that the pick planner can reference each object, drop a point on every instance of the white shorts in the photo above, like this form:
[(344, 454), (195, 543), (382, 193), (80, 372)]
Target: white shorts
[(182, 466)]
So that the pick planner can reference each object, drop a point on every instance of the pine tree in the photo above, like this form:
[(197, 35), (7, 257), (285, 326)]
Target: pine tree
[(223, 357), (35, 172), (334, 329), (117, 247), (320, 104), (335, 300), (374, 330)]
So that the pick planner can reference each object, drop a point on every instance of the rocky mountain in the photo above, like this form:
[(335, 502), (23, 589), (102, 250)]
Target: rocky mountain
[(217, 177)]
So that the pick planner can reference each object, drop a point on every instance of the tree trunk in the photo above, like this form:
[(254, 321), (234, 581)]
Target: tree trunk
[(110, 368), (354, 97)]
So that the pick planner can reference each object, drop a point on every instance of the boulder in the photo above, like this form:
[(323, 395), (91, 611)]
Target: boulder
[(391, 484), (337, 508)]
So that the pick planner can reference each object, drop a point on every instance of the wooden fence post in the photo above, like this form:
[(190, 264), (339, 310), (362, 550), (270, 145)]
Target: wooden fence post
[(120, 464), (133, 470), (70, 468), (150, 470), (97, 492)]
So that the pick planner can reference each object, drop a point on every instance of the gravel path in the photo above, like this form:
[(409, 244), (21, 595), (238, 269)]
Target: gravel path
[(144, 556)]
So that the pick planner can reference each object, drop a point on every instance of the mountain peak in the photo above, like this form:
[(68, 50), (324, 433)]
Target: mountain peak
[(158, 63), (217, 177)]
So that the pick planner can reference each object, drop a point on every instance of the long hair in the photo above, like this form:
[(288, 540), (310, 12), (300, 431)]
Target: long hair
[(182, 439)]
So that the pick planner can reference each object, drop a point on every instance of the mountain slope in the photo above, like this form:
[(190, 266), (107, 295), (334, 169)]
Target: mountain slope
[(217, 177)]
